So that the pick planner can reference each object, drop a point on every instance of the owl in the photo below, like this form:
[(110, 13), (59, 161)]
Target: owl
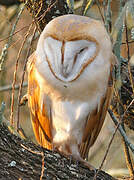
[(70, 84)]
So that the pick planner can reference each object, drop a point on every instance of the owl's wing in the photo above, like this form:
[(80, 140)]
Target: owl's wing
[(95, 120), (38, 104)]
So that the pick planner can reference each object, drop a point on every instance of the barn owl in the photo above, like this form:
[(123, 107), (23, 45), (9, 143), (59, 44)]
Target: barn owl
[(68, 84)]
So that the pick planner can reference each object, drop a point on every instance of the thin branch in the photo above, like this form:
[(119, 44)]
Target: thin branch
[(126, 149), (129, 42), (2, 108), (34, 16), (106, 153), (118, 126), (128, 157), (107, 15), (15, 74), (9, 87), (71, 4), (88, 6), (5, 49), (38, 153), (21, 84), (98, 5), (40, 18), (3, 39), (83, 6), (131, 146), (128, 53)]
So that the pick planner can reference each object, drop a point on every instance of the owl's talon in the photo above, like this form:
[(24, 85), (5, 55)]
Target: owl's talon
[(87, 164), (70, 159)]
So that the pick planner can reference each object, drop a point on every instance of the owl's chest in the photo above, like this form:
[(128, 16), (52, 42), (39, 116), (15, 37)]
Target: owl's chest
[(69, 115), (68, 120)]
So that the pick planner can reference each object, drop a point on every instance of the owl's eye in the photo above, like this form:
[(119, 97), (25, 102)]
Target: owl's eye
[(82, 50)]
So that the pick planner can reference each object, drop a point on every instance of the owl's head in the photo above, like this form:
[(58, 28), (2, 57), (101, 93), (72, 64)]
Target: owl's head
[(69, 44)]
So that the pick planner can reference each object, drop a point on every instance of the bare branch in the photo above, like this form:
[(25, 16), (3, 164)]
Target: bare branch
[(9, 87), (4, 50), (131, 146)]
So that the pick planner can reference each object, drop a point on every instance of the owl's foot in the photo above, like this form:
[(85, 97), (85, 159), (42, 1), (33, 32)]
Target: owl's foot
[(84, 162), (87, 164)]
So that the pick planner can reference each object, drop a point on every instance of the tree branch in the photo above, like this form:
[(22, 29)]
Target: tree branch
[(9, 87), (24, 160), (44, 11), (122, 132)]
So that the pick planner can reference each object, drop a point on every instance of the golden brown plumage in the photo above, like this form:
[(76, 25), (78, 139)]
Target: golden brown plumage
[(40, 121)]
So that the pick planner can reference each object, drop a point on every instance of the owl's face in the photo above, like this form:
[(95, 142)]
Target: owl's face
[(68, 59), (69, 47)]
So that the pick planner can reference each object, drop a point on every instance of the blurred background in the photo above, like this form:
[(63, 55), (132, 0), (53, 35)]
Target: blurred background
[(115, 163)]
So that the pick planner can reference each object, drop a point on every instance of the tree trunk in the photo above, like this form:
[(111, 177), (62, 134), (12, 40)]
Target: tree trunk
[(24, 160)]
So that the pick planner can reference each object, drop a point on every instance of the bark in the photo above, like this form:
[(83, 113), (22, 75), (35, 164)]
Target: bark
[(27, 161)]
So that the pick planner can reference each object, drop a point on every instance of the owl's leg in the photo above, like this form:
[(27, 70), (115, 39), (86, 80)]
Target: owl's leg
[(87, 164), (76, 157)]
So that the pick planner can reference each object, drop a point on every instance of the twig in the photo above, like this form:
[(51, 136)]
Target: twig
[(9, 87), (129, 42), (83, 6), (131, 146), (48, 9), (118, 126), (126, 142), (126, 149), (107, 15), (42, 169), (2, 108), (4, 50), (38, 153), (128, 53), (21, 84), (71, 4), (3, 39), (128, 157), (15, 73), (109, 145), (34, 17), (98, 5), (88, 6)]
